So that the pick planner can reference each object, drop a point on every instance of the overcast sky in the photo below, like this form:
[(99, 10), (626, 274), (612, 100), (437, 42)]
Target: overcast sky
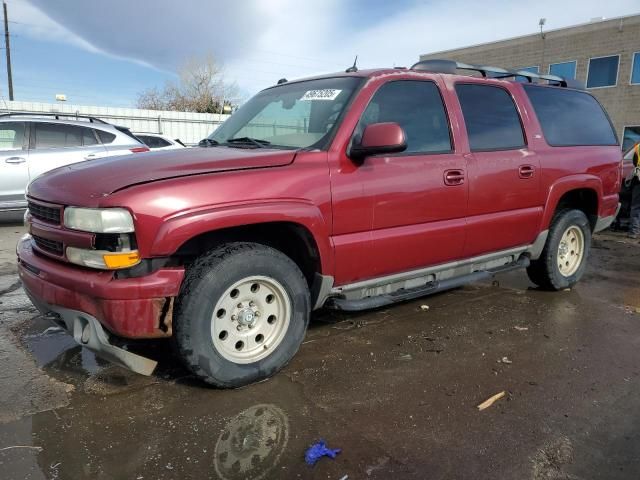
[(105, 52)]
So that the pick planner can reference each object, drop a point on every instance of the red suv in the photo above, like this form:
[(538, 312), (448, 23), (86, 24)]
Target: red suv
[(352, 191)]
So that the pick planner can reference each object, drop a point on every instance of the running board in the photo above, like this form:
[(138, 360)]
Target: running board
[(404, 294)]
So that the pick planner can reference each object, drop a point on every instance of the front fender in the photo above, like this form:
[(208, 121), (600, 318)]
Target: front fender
[(564, 185), (179, 228)]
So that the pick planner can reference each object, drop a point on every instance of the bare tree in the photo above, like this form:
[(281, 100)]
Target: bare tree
[(200, 88)]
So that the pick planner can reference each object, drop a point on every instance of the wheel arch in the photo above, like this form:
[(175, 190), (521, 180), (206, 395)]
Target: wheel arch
[(582, 192)]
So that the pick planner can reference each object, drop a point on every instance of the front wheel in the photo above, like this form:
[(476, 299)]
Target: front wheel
[(564, 257), (241, 315)]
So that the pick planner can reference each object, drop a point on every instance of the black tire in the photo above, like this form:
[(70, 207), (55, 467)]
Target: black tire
[(205, 282), (544, 271)]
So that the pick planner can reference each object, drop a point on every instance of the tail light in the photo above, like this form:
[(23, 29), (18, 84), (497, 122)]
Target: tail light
[(139, 149)]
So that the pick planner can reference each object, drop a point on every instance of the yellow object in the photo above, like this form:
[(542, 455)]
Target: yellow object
[(121, 259), (491, 400)]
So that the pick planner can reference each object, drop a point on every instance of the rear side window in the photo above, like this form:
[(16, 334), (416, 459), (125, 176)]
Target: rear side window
[(105, 137), (11, 135), (417, 107), (491, 118), (54, 135), (88, 137), (153, 142), (570, 117)]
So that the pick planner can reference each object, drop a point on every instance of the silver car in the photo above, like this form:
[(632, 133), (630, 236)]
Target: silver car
[(31, 144)]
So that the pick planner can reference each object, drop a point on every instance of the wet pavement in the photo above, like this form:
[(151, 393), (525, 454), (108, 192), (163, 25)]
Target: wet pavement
[(396, 389)]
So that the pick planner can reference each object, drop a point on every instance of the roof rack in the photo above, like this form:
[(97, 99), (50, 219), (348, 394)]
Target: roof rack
[(55, 115), (451, 67)]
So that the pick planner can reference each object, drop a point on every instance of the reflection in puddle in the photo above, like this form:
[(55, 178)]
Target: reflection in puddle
[(251, 444)]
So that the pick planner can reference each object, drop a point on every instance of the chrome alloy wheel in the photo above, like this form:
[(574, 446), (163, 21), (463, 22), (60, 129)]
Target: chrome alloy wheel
[(250, 319), (570, 251)]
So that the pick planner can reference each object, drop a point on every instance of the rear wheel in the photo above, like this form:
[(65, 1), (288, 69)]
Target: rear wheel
[(241, 315), (563, 259)]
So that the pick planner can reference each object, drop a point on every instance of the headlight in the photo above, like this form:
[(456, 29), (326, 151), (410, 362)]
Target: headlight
[(102, 259), (98, 220)]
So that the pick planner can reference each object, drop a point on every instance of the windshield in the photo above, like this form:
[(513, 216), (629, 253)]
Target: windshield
[(294, 115)]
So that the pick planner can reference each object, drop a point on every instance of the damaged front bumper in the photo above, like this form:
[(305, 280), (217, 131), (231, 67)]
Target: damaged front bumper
[(91, 305)]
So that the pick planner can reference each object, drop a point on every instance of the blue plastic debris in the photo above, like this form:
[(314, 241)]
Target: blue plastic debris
[(319, 450)]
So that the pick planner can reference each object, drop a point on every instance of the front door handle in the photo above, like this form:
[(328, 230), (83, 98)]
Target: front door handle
[(526, 171), (90, 156), (15, 160), (453, 177)]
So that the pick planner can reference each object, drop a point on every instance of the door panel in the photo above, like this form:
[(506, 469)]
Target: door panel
[(14, 171), (505, 204), (394, 213)]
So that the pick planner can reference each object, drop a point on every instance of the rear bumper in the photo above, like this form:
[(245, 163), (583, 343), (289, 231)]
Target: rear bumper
[(133, 307)]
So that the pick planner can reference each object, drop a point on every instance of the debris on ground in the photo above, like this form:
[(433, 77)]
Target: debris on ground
[(505, 360), (318, 450), (405, 357), (521, 329), (491, 400), (424, 308)]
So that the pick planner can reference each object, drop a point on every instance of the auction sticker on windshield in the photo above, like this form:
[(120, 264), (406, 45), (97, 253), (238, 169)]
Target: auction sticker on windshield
[(324, 94)]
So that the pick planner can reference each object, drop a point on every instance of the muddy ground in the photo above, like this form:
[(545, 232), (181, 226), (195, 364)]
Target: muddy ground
[(396, 389)]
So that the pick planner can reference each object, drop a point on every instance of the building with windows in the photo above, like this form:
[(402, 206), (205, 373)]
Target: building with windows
[(604, 54)]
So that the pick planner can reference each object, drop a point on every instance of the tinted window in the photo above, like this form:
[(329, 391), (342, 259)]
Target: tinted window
[(635, 68), (53, 135), (491, 118), (11, 135), (570, 117), (105, 137), (153, 142), (564, 69), (603, 72), (417, 107), (88, 137)]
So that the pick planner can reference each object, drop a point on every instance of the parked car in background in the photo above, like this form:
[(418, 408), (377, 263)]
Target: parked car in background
[(31, 144), (352, 191), (155, 141)]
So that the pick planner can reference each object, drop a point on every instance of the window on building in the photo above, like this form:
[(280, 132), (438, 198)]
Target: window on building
[(635, 69), (603, 72), (526, 69), (563, 69), (418, 108), (630, 137), (11, 135), (570, 117), (53, 135), (491, 118)]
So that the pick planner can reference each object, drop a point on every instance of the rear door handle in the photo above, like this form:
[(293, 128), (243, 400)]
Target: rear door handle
[(15, 160), (453, 177), (90, 156), (526, 171)]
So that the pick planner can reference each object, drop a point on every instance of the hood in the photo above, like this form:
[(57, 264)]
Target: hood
[(98, 178)]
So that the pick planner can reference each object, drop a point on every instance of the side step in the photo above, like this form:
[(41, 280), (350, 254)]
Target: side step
[(404, 294)]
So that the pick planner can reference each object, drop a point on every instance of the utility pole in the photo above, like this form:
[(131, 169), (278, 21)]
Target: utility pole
[(8, 50)]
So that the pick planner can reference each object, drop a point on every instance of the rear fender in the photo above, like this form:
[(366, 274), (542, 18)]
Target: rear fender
[(564, 185)]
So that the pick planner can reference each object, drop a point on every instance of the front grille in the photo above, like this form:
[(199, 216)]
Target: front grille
[(47, 245), (46, 214)]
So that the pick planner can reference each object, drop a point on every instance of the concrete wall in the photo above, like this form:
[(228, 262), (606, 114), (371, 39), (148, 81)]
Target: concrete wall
[(620, 36), (189, 127)]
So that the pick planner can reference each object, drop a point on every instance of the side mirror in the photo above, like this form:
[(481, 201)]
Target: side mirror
[(385, 137)]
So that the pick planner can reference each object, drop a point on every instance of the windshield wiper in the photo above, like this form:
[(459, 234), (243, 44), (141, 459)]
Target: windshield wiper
[(254, 141), (208, 142)]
